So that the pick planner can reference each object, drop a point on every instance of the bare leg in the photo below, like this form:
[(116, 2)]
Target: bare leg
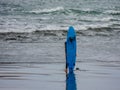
[(66, 66)]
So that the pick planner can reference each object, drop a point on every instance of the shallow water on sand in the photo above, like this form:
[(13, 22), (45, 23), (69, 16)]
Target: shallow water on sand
[(28, 65), (29, 76)]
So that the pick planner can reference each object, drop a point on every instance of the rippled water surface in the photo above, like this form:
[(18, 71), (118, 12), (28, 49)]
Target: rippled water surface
[(32, 15)]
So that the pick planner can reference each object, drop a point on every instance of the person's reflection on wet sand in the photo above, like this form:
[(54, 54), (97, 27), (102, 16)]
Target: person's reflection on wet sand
[(71, 81)]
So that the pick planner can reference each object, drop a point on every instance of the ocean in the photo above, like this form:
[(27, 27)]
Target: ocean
[(32, 15), (32, 52)]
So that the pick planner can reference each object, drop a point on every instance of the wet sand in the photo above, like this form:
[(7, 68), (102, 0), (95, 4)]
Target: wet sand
[(31, 77), (34, 65), (52, 76)]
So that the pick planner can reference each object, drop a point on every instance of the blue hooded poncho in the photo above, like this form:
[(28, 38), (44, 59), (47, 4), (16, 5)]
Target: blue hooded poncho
[(71, 48)]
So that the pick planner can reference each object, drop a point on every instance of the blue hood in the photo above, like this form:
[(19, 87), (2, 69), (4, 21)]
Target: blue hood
[(71, 33)]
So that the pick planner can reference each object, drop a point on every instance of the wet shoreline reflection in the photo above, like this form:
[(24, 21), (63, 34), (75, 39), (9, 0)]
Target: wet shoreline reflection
[(71, 81)]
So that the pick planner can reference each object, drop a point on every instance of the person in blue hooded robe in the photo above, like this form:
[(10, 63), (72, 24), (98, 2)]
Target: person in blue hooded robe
[(70, 49)]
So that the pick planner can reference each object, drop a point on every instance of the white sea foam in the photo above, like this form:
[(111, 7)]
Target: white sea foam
[(54, 27), (92, 26), (112, 12), (87, 9), (97, 19), (48, 10), (31, 28)]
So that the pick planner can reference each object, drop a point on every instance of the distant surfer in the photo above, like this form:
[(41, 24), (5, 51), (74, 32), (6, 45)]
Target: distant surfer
[(70, 49)]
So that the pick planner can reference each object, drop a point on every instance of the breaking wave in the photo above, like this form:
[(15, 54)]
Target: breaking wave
[(112, 12), (55, 35), (85, 11), (45, 11)]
